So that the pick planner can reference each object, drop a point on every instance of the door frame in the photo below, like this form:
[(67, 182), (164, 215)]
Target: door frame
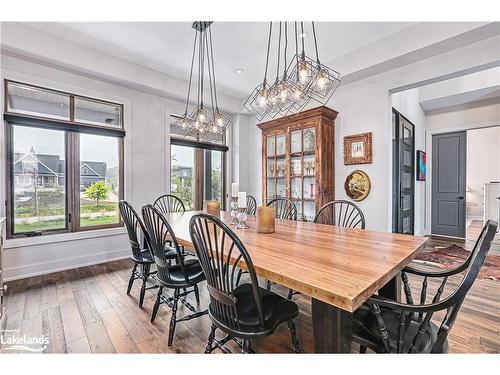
[(395, 172), (428, 140)]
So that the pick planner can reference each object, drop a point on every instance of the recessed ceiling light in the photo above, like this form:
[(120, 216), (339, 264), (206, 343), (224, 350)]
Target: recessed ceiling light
[(303, 35), (239, 71)]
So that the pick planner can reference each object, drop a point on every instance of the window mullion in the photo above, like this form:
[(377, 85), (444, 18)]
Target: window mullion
[(73, 185)]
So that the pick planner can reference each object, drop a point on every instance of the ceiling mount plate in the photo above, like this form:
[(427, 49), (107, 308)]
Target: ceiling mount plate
[(201, 25)]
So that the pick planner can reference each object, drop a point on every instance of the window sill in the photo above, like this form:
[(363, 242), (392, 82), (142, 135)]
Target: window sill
[(62, 237)]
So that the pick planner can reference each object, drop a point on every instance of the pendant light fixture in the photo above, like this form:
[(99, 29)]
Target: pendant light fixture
[(303, 79), (203, 123)]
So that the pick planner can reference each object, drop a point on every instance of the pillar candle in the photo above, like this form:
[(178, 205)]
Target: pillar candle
[(213, 207), (234, 189), (266, 219), (242, 199)]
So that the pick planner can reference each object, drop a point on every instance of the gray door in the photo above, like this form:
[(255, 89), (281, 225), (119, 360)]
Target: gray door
[(448, 184)]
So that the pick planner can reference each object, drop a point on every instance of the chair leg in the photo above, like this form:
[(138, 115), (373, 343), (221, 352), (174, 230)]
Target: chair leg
[(246, 346), (238, 278), (157, 305), (210, 342), (295, 340), (290, 294), (197, 294), (132, 278), (145, 275), (173, 319), (362, 349), (268, 285)]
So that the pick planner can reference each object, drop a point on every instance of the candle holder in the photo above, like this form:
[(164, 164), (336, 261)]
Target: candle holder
[(234, 211), (242, 218)]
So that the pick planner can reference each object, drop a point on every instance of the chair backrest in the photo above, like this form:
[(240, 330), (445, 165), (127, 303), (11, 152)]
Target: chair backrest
[(285, 208), (453, 303), (251, 205), (160, 234), (169, 203), (134, 226), (342, 214), (222, 255)]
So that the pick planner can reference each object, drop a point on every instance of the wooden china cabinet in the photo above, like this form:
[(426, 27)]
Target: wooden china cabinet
[(298, 159)]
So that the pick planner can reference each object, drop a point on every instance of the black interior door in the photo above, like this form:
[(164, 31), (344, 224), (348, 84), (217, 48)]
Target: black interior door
[(449, 184), (403, 175)]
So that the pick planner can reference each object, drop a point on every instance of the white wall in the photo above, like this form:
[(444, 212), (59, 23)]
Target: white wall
[(483, 165), (147, 150), (407, 103)]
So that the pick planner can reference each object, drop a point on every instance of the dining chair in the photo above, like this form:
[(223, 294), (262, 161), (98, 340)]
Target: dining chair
[(342, 214), (387, 326), (141, 254), (243, 312), (251, 205), (186, 273), (169, 203), (285, 208)]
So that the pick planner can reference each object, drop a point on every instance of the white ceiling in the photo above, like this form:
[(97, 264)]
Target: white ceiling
[(167, 46)]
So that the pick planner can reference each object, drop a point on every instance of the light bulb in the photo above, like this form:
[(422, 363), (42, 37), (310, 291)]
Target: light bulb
[(321, 79), (183, 123), (219, 121), (303, 73), (197, 124), (297, 94), (273, 97), (283, 92), (262, 99), (214, 128), (201, 116)]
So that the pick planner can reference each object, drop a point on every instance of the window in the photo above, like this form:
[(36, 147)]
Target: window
[(197, 170), (65, 161)]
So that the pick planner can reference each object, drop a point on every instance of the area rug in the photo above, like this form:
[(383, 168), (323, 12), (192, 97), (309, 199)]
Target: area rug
[(453, 255)]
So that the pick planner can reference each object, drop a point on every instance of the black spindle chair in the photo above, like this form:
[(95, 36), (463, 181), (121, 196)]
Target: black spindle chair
[(141, 254), (285, 208), (187, 273), (386, 326), (251, 205), (245, 311), (342, 214), (169, 203)]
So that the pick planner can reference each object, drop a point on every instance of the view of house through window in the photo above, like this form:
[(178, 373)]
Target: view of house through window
[(99, 180), (182, 174), (39, 183)]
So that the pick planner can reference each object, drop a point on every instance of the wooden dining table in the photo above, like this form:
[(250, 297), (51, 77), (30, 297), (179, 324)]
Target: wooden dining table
[(339, 268)]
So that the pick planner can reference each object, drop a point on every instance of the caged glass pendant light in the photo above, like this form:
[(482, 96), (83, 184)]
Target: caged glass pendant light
[(303, 78), (202, 123)]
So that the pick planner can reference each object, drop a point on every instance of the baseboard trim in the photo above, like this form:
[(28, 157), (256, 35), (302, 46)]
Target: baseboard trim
[(37, 269)]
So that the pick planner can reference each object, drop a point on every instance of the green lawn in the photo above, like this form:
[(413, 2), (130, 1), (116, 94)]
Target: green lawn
[(59, 224), (58, 209)]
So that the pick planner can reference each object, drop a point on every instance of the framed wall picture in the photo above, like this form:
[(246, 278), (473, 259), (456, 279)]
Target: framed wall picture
[(358, 149), (421, 165), (357, 185)]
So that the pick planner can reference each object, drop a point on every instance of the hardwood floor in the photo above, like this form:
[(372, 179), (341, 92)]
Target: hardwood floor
[(86, 310)]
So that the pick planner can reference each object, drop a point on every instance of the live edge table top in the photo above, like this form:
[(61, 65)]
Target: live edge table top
[(339, 266)]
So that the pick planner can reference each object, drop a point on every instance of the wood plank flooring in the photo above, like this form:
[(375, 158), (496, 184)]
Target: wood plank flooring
[(86, 310)]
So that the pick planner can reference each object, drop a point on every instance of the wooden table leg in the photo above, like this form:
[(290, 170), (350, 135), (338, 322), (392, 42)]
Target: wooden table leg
[(332, 328), (392, 289)]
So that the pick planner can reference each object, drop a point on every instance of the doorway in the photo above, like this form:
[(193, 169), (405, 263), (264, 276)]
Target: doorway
[(403, 175)]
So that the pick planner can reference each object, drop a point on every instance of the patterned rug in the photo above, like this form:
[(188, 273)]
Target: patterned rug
[(453, 255)]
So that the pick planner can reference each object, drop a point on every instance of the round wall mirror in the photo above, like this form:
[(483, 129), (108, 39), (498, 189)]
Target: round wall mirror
[(357, 185)]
